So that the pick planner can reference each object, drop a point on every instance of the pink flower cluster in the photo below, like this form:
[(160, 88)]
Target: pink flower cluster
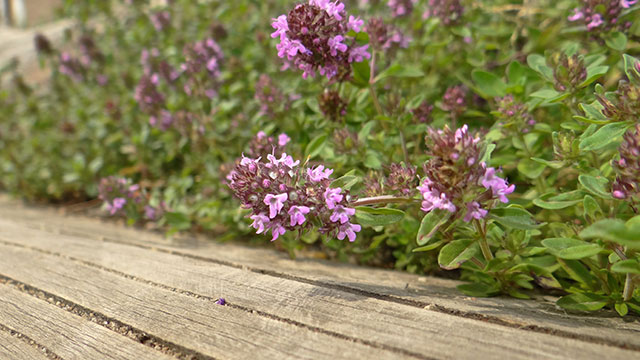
[(454, 175), (284, 196), (401, 7), (602, 15), (313, 38)]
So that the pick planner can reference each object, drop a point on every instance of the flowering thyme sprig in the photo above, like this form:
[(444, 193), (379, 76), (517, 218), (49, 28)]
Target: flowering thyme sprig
[(627, 183), (313, 38), (456, 180), (284, 196), (602, 15)]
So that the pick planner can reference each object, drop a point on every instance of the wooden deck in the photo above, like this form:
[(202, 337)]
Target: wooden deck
[(77, 287)]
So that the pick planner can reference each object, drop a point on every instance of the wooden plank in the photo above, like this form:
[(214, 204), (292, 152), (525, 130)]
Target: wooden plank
[(11, 347), (67, 335), (435, 293), (386, 324), (210, 329)]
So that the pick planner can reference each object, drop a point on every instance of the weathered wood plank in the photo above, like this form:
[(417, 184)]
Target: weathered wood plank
[(203, 326), (11, 347), (67, 335), (439, 294), (374, 321)]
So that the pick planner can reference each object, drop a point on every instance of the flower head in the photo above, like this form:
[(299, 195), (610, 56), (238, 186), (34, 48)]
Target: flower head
[(313, 38)]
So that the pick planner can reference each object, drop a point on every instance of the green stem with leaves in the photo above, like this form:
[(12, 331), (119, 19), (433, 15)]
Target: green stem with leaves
[(484, 245)]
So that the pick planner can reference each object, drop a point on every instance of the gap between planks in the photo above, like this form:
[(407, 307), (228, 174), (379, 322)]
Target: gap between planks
[(18, 346), (535, 338)]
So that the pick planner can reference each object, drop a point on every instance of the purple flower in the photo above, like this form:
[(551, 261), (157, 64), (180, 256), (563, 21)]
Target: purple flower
[(118, 203), (335, 45), (150, 212), (277, 230), (221, 301), (355, 23), (349, 230), (627, 3), (275, 203), (357, 54), (497, 185), (595, 21), (281, 26), (283, 139), (474, 211), (284, 159), (332, 196), (434, 199), (260, 222), (297, 214), (577, 15), (319, 173), (342, 214)]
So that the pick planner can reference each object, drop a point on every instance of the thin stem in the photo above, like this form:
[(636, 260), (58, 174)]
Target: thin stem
[(383, 199), (477, 262), (629, 286), (405, 153), (372, 89), (484, 245)]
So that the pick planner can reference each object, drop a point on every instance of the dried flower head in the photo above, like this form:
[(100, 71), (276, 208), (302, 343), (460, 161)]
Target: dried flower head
[(384, 36), (455, 101), (624, 104), (422, 114)]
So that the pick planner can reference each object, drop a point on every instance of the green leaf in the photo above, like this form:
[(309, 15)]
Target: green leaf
[(604, 136), (178, 220), (489, 84), (518, 73), (514, 217), (593, 111), (613, 230), (538, 63), (629, 68), (582, 302), (597, 185), (345, 182), (593, 74), (428, 247), (571, 249), (591, 207), (400, 71), (550, 163), (430, 224), (616, 40), (545, 94), (456, 252), (361, 73), (368, 216), (315, 146), (531, 169), (372, 160), (551, 201), (578, 272), (621, 309), (630, 266)]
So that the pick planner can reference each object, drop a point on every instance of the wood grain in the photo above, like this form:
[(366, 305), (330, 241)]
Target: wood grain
[(386, 324), (11, 347), (67, 335), (441, 294), (203, 326)]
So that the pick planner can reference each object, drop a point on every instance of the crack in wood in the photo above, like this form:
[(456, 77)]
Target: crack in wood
[(24, 338), (115, 325)]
